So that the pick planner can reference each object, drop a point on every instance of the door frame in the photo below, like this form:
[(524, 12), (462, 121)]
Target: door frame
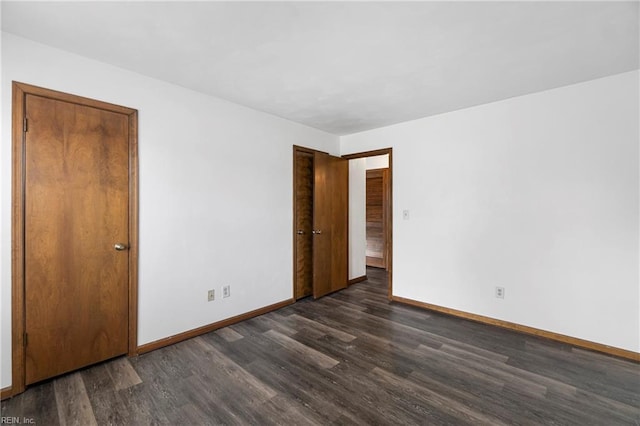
[(19, 125), (297, 148), (389, 218)]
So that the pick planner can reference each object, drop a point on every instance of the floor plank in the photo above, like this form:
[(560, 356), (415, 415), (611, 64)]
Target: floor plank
[(72, 401), (349, 358)]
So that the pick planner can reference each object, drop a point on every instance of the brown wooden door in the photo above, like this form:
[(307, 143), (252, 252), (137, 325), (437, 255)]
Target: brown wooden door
[(76, 210), (377, 201), (303, 164), (330, 222)]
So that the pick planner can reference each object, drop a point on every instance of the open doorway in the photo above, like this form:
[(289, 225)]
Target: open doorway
[(376, 203), (370, 214)]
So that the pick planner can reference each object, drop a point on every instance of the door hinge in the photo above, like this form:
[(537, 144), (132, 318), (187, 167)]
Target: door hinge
[(24, 125)]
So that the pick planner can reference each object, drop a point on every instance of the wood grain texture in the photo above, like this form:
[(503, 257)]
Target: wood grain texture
[(74, 408), (301, 351), (76, 209), (38, 405), (122, 374), (303, 187), (377, 199), (17, 240), (330, 223), (21, 92), (374, 220), (350, 358), (134, 204), (623, 353), (229, 334), (6, 392), (148, 347)]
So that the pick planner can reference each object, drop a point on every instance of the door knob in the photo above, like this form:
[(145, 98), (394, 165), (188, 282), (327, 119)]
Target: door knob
[(317, 231), (300, 232), (120, 246)]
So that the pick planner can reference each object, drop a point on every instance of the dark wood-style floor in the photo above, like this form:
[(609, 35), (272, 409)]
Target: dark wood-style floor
[(349, 358)]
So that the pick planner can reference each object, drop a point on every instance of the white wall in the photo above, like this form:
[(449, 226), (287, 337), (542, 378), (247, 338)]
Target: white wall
[(215, 192), (357, 218), (538, 194)]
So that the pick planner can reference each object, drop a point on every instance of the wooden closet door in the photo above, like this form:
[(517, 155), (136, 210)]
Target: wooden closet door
[(76, 211), (330, 224), (303, 169)]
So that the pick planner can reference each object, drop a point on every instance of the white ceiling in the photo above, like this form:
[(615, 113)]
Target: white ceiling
[(345, 67)]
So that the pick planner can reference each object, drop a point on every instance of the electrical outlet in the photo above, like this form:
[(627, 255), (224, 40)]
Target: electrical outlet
[(500, 292), (226, 291), (211, 295)]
